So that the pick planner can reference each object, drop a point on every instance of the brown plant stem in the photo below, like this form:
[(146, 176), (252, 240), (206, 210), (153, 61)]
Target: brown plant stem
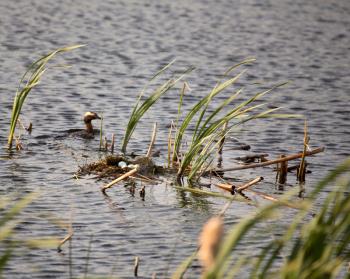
[(120, 178), (271, 162)]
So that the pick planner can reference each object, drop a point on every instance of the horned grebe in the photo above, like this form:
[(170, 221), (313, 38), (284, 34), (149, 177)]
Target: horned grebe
[(89, 131), (88, 117)]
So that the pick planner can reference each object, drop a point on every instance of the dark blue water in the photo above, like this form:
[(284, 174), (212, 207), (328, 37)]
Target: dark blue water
[(306, 43)]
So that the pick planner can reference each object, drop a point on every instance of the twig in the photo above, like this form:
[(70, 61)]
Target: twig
[(120, 178), (153, 139), (271, 162)]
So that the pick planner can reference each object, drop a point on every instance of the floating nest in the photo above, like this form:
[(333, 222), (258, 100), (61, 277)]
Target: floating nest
[(113, 166)]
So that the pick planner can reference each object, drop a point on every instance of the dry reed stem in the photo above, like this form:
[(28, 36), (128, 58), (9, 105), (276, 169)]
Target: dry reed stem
[(142, 178), (227, 187), (271, 162), (283, 171), (249, 184), (302, 167), (153, 139), (68, 237), (120, 178), (112, 143), (30, 128), (136, 266), (105, 143), (234, 188), (209, 242)]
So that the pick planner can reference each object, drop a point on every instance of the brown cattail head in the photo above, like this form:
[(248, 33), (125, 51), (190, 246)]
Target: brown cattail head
[(209, 241)]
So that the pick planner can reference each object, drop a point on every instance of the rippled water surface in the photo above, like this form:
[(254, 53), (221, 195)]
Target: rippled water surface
[(305, 42)]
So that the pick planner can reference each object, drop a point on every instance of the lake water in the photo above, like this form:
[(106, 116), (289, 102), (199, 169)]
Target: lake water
[(304, 42)]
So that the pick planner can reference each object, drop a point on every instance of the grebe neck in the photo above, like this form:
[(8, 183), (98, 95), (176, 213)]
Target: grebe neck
[(89, 127)]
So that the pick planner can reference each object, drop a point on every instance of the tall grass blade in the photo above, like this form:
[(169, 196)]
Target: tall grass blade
[(29, 80), (141, 109)]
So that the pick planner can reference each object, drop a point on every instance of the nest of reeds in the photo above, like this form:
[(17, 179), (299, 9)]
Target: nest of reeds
[(113, 166)]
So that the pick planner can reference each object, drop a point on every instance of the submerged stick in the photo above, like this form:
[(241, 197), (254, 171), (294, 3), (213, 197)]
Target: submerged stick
[(271, 162), (120, 178), (153, 139)]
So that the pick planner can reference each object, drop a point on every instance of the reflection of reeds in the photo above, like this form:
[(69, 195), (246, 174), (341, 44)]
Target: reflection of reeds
[(29, 80)]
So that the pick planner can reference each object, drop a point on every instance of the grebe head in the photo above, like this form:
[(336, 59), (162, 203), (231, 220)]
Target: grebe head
[(88, 116)]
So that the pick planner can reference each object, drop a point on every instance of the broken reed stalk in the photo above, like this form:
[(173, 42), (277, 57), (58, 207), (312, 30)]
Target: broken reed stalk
[(302, 168), (233, 188), (136, 266), (271, 162), (64, 240), (282, 171), (105, 141), (153, 139), (112, 143), (30, 128), (101, 131), (249, 184), (120, 178)]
